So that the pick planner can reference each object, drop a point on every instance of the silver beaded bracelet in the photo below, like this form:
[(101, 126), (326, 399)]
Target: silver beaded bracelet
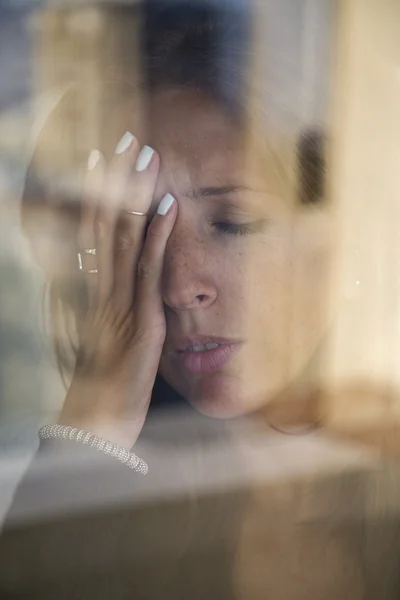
[(89, 439)]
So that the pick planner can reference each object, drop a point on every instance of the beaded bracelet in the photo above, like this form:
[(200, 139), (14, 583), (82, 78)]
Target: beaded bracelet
[(89, 439)]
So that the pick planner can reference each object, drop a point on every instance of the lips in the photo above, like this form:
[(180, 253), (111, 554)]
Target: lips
[(205, 354)]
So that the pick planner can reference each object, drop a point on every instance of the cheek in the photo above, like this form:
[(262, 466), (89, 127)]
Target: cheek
[(308, 296), (266, 276), (314, 253), (282, 291), (289, 272)]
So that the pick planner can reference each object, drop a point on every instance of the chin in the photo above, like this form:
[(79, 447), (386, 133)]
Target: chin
[(223, 408), (219, 396)]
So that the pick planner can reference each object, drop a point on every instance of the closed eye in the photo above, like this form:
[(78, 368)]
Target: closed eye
[(232, 228)]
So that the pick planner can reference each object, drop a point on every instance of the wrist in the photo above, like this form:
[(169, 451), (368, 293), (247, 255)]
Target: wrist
[(94, 408), (105, 428)]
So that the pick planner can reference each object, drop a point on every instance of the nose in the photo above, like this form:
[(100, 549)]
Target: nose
[(188, 273)]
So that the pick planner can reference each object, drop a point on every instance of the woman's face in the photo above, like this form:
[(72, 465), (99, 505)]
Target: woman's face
[(243, 268)]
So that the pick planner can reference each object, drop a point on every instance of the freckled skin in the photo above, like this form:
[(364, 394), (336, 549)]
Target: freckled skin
[(266, 288)]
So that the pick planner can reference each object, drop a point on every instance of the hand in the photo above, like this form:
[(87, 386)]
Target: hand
[(123, 332)]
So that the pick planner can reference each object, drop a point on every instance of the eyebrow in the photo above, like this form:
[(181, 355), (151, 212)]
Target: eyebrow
[(208, 192)]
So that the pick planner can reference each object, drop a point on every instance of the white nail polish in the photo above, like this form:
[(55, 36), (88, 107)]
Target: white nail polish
[(93, 159), (144, 158), (124, 143), (165, 204)]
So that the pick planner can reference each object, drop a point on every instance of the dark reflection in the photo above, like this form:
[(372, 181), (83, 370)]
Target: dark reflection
[(205, 45)]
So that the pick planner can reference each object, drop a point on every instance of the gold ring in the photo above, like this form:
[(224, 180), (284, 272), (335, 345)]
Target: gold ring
[(134, 212)]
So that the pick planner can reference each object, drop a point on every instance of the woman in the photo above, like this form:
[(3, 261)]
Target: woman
[(195, 278)]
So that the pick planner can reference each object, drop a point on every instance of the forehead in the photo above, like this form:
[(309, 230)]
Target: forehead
[(195, 134), (190, 124)]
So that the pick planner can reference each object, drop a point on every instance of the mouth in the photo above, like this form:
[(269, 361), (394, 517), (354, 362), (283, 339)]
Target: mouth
[(205, 354)]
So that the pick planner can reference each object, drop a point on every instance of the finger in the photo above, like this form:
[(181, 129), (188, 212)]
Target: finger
[(150, 267), (116, 181), (92, 191), (132, 227)]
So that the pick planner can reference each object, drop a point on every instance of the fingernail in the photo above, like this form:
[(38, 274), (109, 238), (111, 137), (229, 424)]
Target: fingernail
[(165, 204), (124, 143), (144, 158), (93, 159)]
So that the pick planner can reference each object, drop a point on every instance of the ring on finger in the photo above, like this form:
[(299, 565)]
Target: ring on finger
[(135, 213), (87, 251)]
